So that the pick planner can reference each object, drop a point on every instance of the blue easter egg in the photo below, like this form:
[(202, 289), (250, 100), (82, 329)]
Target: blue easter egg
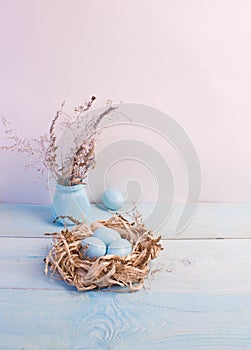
[(107, 235), (96, 247), (113, 199), (120, 247)]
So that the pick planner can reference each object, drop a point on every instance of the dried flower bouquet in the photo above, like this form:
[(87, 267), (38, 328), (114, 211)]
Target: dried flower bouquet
[(67, 169)]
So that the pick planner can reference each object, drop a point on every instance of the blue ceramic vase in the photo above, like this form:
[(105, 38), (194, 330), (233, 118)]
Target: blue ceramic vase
[(71, 201)]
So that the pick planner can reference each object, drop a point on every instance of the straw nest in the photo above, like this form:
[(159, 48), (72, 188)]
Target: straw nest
[(66, 257)]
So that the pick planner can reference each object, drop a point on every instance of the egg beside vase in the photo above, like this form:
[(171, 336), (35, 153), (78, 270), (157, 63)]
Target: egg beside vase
[(113, 199)]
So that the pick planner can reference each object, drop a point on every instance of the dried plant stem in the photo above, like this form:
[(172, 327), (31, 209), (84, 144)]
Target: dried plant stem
[(75, 221), (84, 157), (74, 164)]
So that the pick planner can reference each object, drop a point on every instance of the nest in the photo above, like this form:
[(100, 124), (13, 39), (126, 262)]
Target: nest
[(66, 257)]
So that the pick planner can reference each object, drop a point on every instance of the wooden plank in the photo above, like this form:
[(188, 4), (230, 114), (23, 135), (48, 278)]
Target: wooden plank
[(26, 220), (22, 266), (33, 220), (203, 266), (212, 220), (197, 295), (70, 320), (185, 266)]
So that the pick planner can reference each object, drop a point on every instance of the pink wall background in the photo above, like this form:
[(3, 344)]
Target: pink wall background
[(190, 59)]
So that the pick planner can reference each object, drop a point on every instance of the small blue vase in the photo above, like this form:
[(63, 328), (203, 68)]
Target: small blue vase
[(71, 201)]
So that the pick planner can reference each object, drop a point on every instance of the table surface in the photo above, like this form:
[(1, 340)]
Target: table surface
[(197, 296)]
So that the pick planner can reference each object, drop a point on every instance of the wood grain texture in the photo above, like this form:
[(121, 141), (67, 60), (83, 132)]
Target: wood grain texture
[(33, 220), (197, 296), (70, 320), (212, 220), (185, 266)]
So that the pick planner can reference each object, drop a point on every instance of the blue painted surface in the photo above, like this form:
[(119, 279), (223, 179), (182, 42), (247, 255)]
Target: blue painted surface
[(212, 220), (96, 320), (199, 298)]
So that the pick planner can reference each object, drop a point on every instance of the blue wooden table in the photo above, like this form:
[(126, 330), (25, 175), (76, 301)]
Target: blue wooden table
[(197, 296)]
